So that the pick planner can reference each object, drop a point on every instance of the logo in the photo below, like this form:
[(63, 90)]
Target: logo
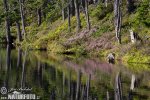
[(17, 94), (3, 90)]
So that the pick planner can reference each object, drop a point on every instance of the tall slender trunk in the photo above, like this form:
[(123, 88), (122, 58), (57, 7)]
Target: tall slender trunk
[(19, 57), (132, 82), (21, 2), (88, 86), (39, 13), (18, 31), (106, 3), (87, 15), (7, 22), (23, 70), (118, 19), (69, 85), (77, 15), (78, 85), (118, 87), (8, 65), (63, 10), (69, 21), (72, 8)]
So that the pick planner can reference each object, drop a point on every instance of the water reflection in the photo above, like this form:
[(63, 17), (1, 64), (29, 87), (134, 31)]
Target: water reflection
[(56, 77)]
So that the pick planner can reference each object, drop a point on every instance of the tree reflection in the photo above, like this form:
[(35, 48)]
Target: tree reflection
[(53, 82), (8, 64)]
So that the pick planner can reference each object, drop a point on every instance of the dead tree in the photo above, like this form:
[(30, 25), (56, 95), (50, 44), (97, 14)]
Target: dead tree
[(118, 87), (76, 3), (117, 19), (69, 21), (7, 22), (18, 31), (88, 86), (63, 10), (106, 3), (87, 15), (39, 13), (78, 85), (134, 36), (21, 3), (132, 83)]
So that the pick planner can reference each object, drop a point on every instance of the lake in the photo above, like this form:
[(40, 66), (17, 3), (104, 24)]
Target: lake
[(46, 76)]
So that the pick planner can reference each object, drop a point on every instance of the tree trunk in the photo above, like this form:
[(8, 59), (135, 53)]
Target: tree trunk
[(19, 61), (118, 89), (39, 16), (72, 8), (87, 15), (107, 95), (7, 22), (18, 31), (69, 22), (88, 86), (8, 65), (63, 10), (117, 13), (132, 82), (106, 3), (23, 70), (78, 85), (77, 15), (21, 2)]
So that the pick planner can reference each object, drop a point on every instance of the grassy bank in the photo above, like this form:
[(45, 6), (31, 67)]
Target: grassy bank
[(100, 40)]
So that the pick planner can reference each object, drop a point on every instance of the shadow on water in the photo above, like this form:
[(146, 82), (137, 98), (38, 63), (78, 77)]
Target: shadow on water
[(56, 77)]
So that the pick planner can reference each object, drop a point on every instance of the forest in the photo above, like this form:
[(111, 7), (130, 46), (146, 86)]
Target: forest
[(80, 27)]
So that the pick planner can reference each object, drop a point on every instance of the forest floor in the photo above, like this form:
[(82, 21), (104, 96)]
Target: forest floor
[(99, 41)]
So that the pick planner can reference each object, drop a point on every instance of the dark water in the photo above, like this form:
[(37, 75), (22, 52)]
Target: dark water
[(59, 77)]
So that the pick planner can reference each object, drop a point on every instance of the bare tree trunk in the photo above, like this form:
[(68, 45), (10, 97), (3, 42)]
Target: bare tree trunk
[(77, 15), (69, 21), (78, 85), (69, 85), (106, 3), (132, 82), (117, 13), (23, 70), (21, 2), (87, 15), (72, 8), (8, 65), (63, 10), (19, 57), (88, 86), (18, 31), (107, 96), (39, 16), (63, 94), (7, 22), (8, 56), (118, 89)]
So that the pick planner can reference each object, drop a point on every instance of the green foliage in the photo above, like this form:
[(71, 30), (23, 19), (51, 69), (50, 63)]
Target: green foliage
[(101, 30), (101, 11), (142, 14), (135, 56)]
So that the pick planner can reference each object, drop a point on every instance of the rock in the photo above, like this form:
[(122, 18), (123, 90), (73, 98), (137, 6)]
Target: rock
[(111, 58)]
